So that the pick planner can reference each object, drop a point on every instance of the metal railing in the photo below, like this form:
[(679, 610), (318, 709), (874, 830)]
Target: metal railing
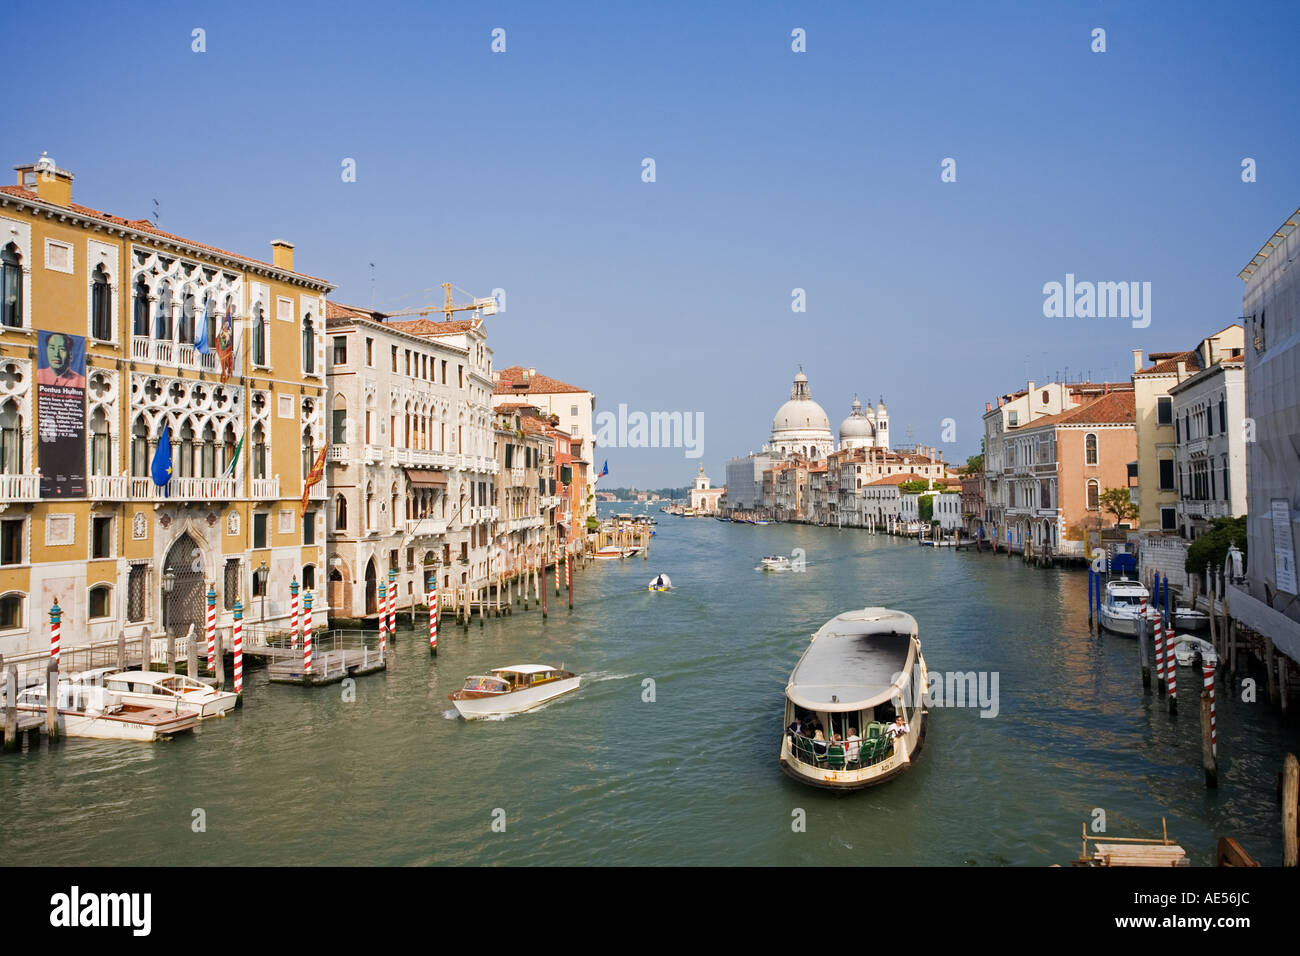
[(818, 753)]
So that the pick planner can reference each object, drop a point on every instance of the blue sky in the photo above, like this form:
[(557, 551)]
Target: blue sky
[(775, 170)]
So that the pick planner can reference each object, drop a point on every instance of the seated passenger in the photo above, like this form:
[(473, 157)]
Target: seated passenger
[(899, 728), (819, 743), (852, 746)]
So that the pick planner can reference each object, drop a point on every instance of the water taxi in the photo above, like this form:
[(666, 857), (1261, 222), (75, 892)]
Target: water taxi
[(1121, 608), (661, 583), (775, 562), (172, 691), (88, 710), (862, 671), (511, 690), (610, 551)]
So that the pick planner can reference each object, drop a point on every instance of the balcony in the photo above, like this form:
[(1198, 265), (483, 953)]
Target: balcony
[(1204, 509), (1196, 447), (161, 352), (266, 489), (184, 489), (19, 488), (426, 526), (518, 475), (338, 453), (110, 487)]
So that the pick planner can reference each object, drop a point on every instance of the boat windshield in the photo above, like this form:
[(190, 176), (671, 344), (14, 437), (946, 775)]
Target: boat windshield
[(486, 685), (1132, 600)]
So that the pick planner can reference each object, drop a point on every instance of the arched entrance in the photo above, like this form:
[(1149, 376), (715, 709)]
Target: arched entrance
[(336, 589), (187, 602), (372, 593)]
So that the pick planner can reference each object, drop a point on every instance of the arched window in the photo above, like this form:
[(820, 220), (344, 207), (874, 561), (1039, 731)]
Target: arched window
[(1094, 495), (101, 601), (395, 504), (11, 287), (139, 448), (308, 345), (99, 444), (140, 309), (1090, 449), (11, 611), (339, 423), (340, 513), (208, 452), (186, 456), (259, 336), (259, 452), (186, 324), (370, 506), (162, 328), (11, 435), (101, 317), (309, 577)]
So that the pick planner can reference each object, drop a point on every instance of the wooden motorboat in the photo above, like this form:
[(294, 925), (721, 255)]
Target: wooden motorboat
[(511, 690), (152, 689), (862, 671), (88, 710)]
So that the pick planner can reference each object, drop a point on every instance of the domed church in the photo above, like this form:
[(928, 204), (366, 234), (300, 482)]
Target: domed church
[(801, 426), (868, 429)]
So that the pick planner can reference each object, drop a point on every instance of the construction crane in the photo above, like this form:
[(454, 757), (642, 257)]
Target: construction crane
[(487, 306)]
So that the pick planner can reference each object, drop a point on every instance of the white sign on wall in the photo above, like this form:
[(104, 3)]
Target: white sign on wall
[(1283, 546)]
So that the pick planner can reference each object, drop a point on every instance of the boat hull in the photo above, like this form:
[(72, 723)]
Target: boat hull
[(515, 702), (1125, 624), (109, 727), (895, 765), (217, 705)]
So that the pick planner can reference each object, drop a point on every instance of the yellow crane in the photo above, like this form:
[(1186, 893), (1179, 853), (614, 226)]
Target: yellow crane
[(487, 306)]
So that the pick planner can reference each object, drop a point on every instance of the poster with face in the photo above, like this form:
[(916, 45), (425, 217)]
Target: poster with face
[(61, 413)]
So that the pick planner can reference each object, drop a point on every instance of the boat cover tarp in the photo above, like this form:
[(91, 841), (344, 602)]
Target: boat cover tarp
[(856, 658)]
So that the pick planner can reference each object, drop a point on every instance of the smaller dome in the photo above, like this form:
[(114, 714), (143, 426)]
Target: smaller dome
[(857, 425)]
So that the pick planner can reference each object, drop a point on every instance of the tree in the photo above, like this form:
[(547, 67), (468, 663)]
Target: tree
[(913, 487), (1119, 503), (925, 507), (1211, 548)]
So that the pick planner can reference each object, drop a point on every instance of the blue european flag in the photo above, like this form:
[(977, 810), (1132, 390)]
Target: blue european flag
[(162, 461), (604, 471), (201, 343)]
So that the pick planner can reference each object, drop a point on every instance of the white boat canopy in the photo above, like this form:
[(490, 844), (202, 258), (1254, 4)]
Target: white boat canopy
[(524, 669), (857, 660)]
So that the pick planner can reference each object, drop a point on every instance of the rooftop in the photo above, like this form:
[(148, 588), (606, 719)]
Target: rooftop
[(517, 380)]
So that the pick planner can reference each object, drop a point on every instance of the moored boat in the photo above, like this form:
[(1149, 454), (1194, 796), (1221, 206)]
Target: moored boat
[(88, 710), (512, 690), (1186, 650), (861, 673), (1122, 606), (1190, 619), (610, 551), (170, 691)]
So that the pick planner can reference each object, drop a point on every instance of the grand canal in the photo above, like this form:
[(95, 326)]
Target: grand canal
[(608, 777)]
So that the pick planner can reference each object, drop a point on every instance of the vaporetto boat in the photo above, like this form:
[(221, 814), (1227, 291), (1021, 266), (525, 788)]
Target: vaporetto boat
[(862, 671)]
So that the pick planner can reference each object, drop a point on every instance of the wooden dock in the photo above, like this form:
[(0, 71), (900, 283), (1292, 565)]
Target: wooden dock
[(327, 667)]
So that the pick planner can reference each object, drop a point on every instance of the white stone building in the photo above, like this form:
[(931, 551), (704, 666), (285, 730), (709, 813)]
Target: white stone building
[(1209, 447)]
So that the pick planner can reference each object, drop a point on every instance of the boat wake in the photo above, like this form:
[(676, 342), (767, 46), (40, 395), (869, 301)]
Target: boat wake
[(597, 676)]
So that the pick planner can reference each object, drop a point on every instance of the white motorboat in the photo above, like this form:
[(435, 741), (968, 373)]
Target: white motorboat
[(661, 583), (1187, 648), (775, 562), (1120, 610), (171, 691), (1190, 619), (512, 690), (609, 552), (861, 683), (88, 710)]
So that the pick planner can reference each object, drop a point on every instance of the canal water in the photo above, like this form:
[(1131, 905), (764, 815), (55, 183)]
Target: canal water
[(682, 770)]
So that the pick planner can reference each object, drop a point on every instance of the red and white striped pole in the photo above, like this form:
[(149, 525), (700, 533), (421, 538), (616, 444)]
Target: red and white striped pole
[(392, 604), (383, 618), (293, 614), (306, 633), (55, 627), (212, 629), (1159, 641), (1171, 670), (1209, 689), (433, 617), (237, 645), (568, 575)]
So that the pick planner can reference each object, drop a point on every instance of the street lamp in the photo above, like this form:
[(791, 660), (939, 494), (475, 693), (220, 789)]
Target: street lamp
[(262, 572), (169, 585)]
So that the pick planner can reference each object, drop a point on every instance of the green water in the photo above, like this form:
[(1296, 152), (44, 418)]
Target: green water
[(300, 776)]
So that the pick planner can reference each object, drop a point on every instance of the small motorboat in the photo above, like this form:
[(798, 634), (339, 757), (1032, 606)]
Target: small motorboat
[(1186, 650), (512, 690), (172, 691), (1190, 619), (609, 552), (88, 710), (775, 562), (661, 583)]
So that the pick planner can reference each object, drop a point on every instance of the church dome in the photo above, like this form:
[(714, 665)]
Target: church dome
[(857, 425), (801, 425)]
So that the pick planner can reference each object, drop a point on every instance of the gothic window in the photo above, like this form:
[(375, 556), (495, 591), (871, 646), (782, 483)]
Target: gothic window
[(101, 318), (140, 309), (259, 335), (163, 315), (11, 287), (340, 513), (11, 434), (100, 444), (308, 345)]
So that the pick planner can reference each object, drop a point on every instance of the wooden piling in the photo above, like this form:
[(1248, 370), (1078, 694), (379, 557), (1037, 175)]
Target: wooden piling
[(221, 663), (121, 650), (192, 654), (171, 651), (1209, 763), (52, 701), (1290, 793), (1144, 665)]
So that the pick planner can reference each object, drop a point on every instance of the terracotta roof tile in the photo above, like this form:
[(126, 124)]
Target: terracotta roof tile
[(145, 226), (1117, 408), (1166, 363), (511, 381)]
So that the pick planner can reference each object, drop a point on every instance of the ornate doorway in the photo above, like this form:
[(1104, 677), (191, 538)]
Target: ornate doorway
[(187, 603)]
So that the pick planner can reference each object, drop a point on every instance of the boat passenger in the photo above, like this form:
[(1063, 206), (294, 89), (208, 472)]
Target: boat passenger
[(899, 727), (852, 746), (819, 744)]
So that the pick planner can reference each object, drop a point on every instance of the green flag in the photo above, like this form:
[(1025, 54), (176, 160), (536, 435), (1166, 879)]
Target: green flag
[(230, 468)]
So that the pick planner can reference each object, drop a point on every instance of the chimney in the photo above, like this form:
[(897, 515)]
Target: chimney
[(532, 372), (282, 254), (1137, 360), (988, 407), (1182, 371), (51, 184)]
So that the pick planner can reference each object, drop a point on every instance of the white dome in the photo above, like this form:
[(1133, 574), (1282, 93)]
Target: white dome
[(857, 425), (800, 415), (801, 426)]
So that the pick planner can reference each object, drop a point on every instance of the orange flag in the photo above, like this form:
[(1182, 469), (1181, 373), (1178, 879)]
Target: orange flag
[(316, 474)]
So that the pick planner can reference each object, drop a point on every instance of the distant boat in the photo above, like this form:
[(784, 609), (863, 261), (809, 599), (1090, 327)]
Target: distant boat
[(775, 562), (661, 583)]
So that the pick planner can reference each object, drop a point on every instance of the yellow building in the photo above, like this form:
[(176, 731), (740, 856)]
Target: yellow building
[(1156, 489), (101, 325)]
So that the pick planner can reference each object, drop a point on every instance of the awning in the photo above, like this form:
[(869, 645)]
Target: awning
[(426, 479)]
